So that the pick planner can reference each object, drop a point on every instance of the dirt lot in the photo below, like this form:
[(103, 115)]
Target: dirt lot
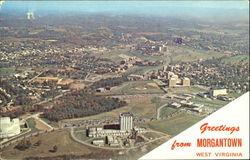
[(39, 125)]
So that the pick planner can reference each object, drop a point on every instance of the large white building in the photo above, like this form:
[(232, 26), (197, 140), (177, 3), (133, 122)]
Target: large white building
[(126, 121), (8, 127)]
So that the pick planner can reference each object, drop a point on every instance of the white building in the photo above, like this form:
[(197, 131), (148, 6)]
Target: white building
[(30, 15), (8, 127), (99, 142), (95, 132), (217, 92), (126, 121)]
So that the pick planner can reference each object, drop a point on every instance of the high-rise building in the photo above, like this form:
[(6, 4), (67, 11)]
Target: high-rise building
[(186, 82), (172, 82), (126, 121), (30, 15)]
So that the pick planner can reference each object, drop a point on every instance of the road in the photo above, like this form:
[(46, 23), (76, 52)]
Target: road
[(51, 99), (87, 144), (135, 96), (109, 148), (36, 116), (159, 111), (37, 76)]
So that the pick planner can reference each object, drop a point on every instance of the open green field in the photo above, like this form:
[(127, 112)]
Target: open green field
[(31, 123), (215, 103), (139, 152), (237, 59), (6, 71), (174, 125), (182, 54), (141, 56), (152, 135), (114, 55), (66, 146), (52, 123), (81, 135), (234, 94), (166, 111), (186, 90), (135, 87), (141, 69)]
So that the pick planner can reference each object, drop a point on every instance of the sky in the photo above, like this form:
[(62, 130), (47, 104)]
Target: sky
[(128, 7)]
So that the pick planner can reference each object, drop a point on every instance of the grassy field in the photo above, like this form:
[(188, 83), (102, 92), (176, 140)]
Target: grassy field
[(52, 123), (234, 94), (152, 135), (60, 138), (66, 146), (6, 71), (79, 128), (114, 55), (141, 56), (181, 54), (32, 124), (165, 111), (237, 59), (209, 102), (135, 87), (139, 152), (174, 125), (81, 135), (141, 69), (186, 90)]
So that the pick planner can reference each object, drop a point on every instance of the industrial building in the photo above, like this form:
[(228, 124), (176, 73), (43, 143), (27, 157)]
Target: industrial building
[(8, 127)]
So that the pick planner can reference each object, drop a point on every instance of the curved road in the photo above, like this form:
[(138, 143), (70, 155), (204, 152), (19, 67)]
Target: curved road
[(159, 111), (87, 144)]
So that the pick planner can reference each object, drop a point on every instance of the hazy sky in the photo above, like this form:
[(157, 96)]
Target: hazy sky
[(133, 7)]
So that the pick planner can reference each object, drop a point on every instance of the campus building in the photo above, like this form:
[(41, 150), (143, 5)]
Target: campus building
[(126, 121), (173, 80), (217, 92), (8, 127), (125, 128)]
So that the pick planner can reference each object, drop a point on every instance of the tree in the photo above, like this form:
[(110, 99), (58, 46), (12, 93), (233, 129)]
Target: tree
[(155, 100), (23, 145), (38, 143), (55, 148)]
